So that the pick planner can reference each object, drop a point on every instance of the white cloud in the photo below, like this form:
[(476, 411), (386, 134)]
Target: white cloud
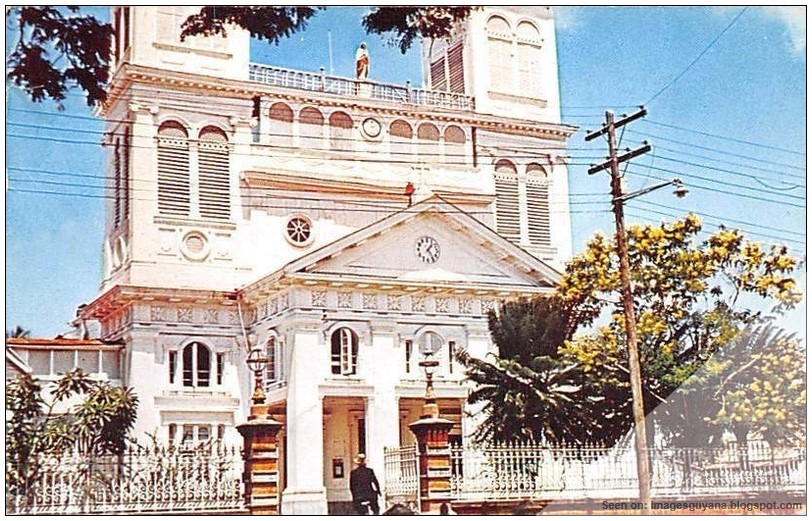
[(566, 17), (794, 18)]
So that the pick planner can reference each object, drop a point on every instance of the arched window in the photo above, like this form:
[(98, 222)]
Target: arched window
[(213, 174), (173, 170), (500, 50), (538, 205), (506, 184), (340, 131), (432, 344), (311, 125), (400, 137), (528, 58), (454, 139), (281, 125), (196, 365), (274, 370), (344, 351), (428, 142)]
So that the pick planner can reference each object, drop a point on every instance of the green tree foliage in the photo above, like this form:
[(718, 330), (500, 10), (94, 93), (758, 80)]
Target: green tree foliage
[(758, 385), (98, 424), (59, 49), (527, 393), (686, 306), (18, 332)]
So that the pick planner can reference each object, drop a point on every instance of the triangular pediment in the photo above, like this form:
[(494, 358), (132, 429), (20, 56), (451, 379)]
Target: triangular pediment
[(433, 242)]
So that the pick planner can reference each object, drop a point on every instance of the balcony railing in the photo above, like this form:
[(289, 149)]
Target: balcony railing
[(320, 82)]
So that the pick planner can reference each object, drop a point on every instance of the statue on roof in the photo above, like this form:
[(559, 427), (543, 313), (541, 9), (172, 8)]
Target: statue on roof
[(362, 62)]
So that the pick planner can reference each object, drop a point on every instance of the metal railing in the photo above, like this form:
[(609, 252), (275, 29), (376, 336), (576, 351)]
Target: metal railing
[(401, 475), (320, 82), (534, 471), (512, 471), (171, 479)]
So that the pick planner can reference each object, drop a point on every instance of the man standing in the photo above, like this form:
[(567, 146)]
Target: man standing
[(364, 487)]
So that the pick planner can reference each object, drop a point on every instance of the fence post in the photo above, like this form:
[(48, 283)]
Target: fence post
[(261, 455)]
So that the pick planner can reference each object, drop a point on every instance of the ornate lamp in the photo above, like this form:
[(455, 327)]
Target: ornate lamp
[(429, 365), (256, 362)]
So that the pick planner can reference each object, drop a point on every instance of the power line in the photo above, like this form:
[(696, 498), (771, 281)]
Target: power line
[(731, 172), (741, 141), (720, 152), (379, 209), (720, 218), (725, 183), (750, 232), (686, 69), (718, 191), (731, 163)]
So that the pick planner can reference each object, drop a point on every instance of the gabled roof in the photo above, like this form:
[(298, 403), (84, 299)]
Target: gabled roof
[(472, 255), (15, 362)]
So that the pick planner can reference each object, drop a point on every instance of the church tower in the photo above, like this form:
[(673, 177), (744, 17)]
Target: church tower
[(505, 59), (171, 174)]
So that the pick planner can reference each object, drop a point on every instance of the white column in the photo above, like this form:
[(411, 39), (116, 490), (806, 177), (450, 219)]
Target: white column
[(305, 492), (382, 415)]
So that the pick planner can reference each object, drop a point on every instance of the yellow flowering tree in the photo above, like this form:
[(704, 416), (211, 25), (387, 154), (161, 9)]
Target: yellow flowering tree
[(686, 300)]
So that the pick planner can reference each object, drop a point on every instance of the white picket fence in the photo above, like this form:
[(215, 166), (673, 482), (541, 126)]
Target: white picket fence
[(206, 478), (533, 471)]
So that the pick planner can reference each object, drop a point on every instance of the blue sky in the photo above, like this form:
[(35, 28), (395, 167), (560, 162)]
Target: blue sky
[(731, 124)]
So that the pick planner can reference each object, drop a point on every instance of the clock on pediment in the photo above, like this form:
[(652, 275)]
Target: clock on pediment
[(427, 249), (371, 128)]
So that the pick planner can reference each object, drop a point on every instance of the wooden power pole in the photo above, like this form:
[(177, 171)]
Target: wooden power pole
[(638, 408)]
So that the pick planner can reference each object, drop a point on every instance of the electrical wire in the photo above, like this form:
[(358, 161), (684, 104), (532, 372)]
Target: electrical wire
[(704, 51)]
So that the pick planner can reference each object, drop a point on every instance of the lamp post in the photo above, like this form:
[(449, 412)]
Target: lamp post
[(430, 408), (256, 362)]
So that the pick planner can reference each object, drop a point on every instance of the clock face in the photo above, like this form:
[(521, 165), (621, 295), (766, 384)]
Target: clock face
[(427, 249), (371, 127)]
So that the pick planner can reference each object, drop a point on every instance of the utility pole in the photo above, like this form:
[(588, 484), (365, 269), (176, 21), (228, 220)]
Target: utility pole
[(638, 409)]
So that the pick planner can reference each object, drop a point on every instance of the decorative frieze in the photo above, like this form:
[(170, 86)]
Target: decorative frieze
[(318, 299), (370, 301), (185, 315), (466, 306), (393, 302), (418, 303), (232, 318), (211, 316), (157, 314), (442, 305), (488, 305), (345, 300)]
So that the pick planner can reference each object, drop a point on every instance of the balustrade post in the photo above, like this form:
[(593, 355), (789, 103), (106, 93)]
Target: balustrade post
[(261, 455)]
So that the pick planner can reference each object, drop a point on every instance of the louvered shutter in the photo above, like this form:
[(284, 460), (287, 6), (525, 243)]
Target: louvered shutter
[(538, 214), (507, 208), (117, 200), (215, 190), (438, 80), (125, 184), (173, 176), (456, 72)]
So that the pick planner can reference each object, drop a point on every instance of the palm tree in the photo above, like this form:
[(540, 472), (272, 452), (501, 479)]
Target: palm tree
[(527, 392), (18, 332)]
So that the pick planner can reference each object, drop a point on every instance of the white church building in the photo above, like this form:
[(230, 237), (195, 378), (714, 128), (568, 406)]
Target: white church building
[(349, 227)]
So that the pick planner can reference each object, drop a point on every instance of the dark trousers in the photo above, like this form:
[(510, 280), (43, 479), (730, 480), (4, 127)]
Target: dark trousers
[(361, 508)]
